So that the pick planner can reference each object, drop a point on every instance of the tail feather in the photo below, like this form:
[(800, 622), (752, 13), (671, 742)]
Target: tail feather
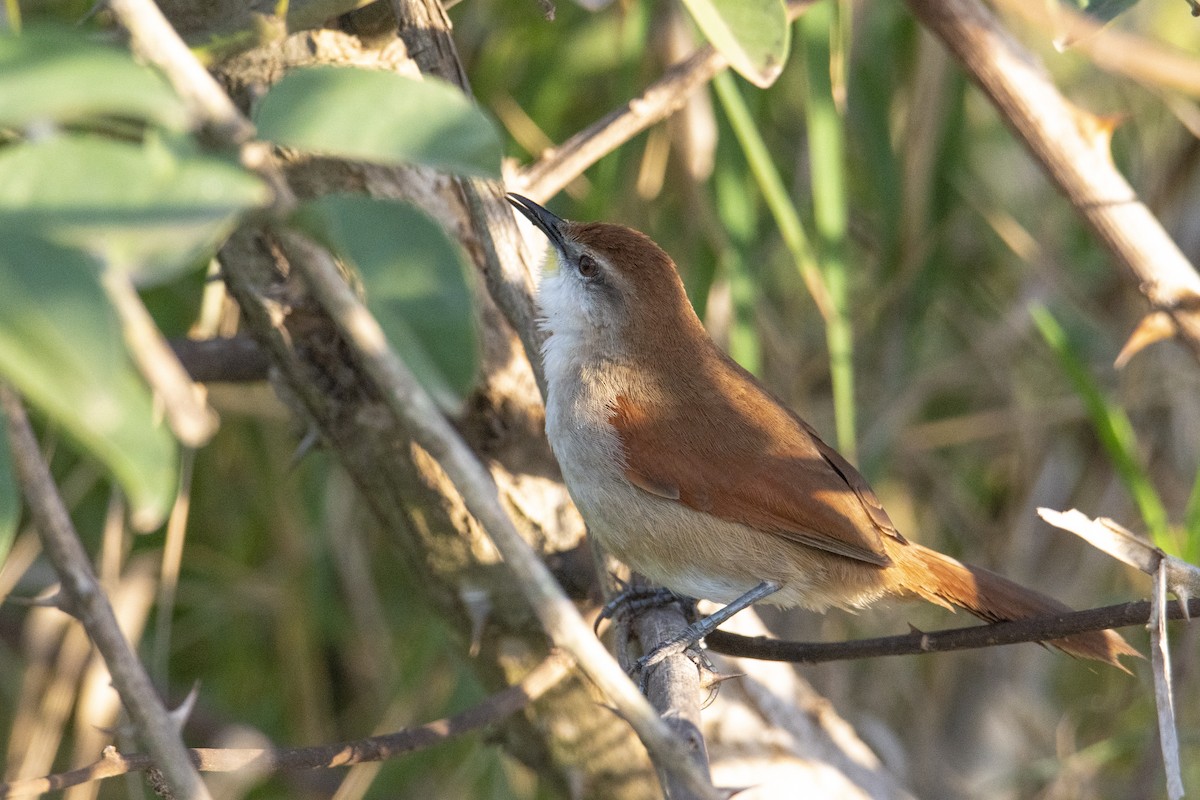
[(947, 582)]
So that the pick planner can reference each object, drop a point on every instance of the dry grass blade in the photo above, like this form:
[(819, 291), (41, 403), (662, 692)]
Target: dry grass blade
[(1183, 579), (1164, 693)]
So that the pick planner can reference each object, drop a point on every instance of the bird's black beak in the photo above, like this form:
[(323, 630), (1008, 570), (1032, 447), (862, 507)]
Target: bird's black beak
[(546, 222)]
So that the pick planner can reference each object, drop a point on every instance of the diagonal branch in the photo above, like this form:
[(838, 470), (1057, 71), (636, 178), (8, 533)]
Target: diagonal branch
[(550, 174), (84, 599), (1072, 147), (491, 711), (415, 409)]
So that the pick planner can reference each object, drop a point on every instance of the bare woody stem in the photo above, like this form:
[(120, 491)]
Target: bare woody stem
[(491, 711), (415, 410), (1034, 629), (82, 597), (547, 176), (1072, 147)]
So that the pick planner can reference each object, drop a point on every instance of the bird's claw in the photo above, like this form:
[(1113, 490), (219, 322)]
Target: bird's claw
[(631, 599), (675, 647)]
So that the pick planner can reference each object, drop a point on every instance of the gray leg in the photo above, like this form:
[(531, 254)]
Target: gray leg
[(698, 630)]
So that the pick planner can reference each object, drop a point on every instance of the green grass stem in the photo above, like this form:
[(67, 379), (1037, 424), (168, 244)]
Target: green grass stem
[(1115, 431), (799, 246), (827, 156)]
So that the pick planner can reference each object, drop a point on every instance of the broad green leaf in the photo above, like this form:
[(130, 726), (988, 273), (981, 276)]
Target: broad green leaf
[(10, 506), (380, 117), (153, 208), (754, 35), (61, 75), (61, 346), (415, 282)]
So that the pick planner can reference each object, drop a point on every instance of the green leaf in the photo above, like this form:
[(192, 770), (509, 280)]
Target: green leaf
[(380, 117), (10, 501), (415, 281), (754, 35), (61, 75), (61, 346), (153, 208)]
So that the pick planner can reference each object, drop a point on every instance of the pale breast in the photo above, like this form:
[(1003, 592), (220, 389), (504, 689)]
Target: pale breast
[(676, 546)]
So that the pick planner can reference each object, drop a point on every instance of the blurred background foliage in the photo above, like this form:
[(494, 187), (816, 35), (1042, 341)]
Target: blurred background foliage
[(293, 615)]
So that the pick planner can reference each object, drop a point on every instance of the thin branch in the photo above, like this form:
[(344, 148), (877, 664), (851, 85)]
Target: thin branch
[(416, 410), (84, 599), (550, 174), (190, 418), (1033, 629), (495, 709), (155, 40), (1072, 147), (557, 167), (1112, 49), (237, 359), (1170, 574)]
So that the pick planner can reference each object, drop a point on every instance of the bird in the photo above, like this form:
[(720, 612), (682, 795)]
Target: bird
[(691, 472)]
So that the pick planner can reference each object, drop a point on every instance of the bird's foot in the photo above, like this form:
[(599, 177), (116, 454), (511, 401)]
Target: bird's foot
[(632, 599), (694, 633), (672, 647)]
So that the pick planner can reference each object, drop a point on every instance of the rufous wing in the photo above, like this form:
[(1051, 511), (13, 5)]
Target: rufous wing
[(726, 447)]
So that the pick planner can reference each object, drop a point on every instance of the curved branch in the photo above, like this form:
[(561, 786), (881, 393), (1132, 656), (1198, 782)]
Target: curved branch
[(1034, 629)]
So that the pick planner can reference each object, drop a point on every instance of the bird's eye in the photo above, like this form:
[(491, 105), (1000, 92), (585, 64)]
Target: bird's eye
[(588, 267)]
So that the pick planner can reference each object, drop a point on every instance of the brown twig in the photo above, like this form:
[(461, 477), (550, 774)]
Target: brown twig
[(550, 174), (493, 710), (1034, 629), (237, 359), (1073, 148), (191, 419), (83, 598)]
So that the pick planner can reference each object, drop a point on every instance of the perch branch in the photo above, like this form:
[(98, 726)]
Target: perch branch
[(83, 598), (416, 410), (1072, 147), (673, 687), (1034, 629)]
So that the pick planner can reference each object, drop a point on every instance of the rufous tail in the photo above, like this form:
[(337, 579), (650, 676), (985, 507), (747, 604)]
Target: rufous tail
[(943, 580)]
